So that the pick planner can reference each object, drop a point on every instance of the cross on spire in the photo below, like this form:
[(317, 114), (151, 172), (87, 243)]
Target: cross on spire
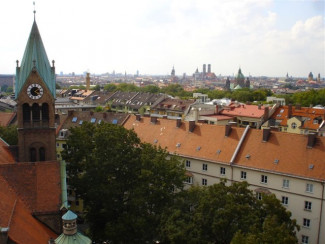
[(34, 10)]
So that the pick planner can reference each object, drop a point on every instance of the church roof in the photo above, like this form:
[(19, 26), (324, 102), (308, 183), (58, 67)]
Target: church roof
[(69, 216), (71, 239), (35, 56)]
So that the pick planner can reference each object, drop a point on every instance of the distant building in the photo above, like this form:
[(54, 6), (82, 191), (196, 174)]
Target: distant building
[(240, 79)]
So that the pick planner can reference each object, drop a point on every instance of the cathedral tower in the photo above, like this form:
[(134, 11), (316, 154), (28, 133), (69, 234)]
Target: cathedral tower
[(35, 96)]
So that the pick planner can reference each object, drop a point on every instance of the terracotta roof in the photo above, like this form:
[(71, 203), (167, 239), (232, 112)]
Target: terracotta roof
[(5, 154), (219, 117), (36, 184), (23, 227), (6, 118), (203, 142), (308, 115), (243, 110), (289, 149)]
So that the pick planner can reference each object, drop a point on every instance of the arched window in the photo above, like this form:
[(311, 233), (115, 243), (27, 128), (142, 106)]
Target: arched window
[(45, 112), (26, 112), (32, 153), (36, 112), (42, 154)]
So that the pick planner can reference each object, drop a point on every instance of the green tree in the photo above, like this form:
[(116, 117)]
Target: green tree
[(99, 109), (127, 87), (126, 185), (150, 89), (110, 87), (225, 214), (95, 88), (9, 134)]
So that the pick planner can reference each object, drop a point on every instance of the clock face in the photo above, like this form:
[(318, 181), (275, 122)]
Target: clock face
[(35, 91)]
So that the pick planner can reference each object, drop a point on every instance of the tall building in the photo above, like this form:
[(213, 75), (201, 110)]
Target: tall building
[(209, 68), (240, 79), (173, 72), (35, 95), (204, 70)]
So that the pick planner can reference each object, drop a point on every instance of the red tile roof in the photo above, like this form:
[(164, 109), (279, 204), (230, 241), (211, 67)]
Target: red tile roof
[(309, 113), (6, 118), (210, 138), (243, 110), (5, 155), (291, 151), (23, 227), (37, 184)]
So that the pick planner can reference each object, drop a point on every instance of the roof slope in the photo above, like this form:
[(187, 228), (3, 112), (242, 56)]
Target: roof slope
[(5, 154), (36, 184), (35, 51), (289, 149), (203, 142), (6, 118), (23, 228)]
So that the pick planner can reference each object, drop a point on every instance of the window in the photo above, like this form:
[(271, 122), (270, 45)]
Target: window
[(204, 182), (264, 179), (189, 180), (80, 122), (304, 239), (64, 145), (293, 125), (309, 187), (74, 119), (259, 195), (222, 170), (32, 154), (93, 120), (284, 200), (57, 145), (42, 154), (285, 183), (306, 223), (243, 175), (188, 164), (204, 167), (308, 205)]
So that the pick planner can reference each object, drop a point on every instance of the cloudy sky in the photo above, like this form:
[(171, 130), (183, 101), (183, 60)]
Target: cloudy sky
[(263, 37)]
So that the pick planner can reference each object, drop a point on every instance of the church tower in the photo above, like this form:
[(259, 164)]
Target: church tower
[(35, 96)]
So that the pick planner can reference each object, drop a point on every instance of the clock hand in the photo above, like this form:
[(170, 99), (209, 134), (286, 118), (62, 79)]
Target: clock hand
[(37, 91)]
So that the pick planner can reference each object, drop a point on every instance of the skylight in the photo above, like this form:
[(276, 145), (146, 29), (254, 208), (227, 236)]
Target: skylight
[(80, 122), (198, 148), (74, 119), (155, 141), (93, 120), (276, 161), (114, 121), (99, 121), (178, 145), (311, 166)]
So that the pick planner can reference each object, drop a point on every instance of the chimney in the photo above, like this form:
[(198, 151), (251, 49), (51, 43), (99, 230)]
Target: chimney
[(104, 115), (70, 112), (266, 113), (164, 116), (311, 140), (87, 81), (153, 120), (259, 106), (266, 134), (178, 122), (298, 106), (138, 117), (289, 111), (191, 125), (227, 130), (91, 112)]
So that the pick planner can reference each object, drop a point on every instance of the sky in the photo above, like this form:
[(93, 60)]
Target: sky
[(262, 37)]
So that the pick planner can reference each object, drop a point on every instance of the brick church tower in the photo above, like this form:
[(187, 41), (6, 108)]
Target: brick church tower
[(35, 96)]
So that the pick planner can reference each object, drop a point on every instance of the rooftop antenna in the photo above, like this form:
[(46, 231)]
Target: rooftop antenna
[(34, 10)]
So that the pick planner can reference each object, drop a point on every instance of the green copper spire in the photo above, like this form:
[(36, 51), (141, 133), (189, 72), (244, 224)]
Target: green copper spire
[(35, 58)]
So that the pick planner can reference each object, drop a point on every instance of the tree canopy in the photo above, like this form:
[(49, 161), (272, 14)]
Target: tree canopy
[(9, 134), (126, 185)]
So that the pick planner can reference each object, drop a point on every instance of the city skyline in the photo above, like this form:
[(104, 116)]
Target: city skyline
[(270, 38)]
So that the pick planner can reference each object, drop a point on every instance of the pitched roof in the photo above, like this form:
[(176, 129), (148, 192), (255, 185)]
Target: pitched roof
[(37, 184), (5, 154), (6, 118), (307, 115), (23, 228), (290, 150), (35, 51), (206, 141)]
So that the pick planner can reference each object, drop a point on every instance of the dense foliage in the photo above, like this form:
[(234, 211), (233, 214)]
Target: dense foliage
[(9, 134), (126, 185)]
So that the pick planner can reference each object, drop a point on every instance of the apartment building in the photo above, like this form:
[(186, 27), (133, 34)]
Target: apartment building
[(291, 166)]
